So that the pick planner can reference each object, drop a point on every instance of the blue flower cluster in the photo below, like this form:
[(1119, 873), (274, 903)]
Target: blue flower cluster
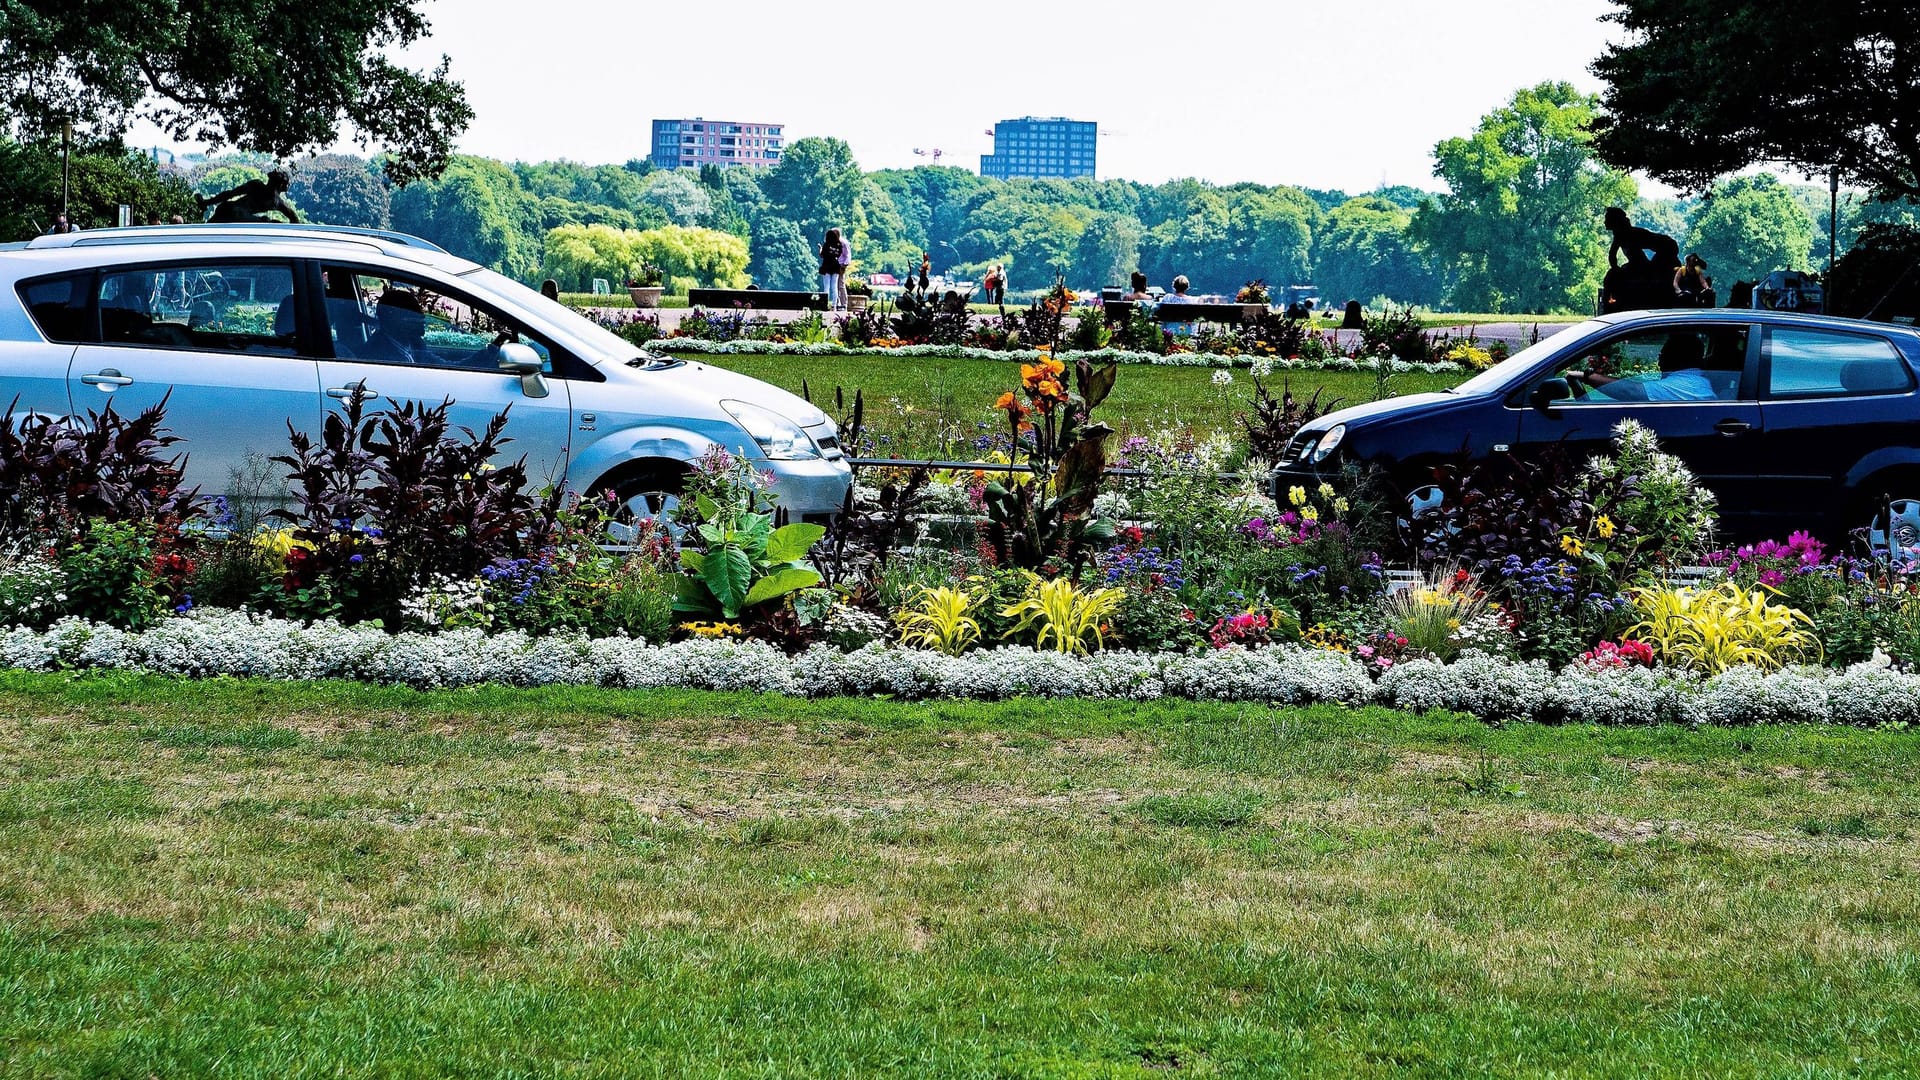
[(1122, 562), (519, 578)]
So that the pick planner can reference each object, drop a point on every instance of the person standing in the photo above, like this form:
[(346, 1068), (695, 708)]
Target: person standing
[(999, 286), (832, 265), (846, 267), (926, 268)]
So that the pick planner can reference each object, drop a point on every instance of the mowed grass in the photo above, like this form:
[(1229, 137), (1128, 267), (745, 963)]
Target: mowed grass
[(234, 878), (951, 397)]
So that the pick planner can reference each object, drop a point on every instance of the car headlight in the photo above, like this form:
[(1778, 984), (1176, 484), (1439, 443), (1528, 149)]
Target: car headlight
[(780, 438), (1329, 443)]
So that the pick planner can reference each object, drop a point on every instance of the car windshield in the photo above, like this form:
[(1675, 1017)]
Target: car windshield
[(1502, 375), (584, 331)]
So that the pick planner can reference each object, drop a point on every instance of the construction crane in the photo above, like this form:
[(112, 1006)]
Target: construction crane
[(933, 153)]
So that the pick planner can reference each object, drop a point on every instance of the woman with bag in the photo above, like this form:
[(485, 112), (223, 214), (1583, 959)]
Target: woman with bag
[(833, 267)]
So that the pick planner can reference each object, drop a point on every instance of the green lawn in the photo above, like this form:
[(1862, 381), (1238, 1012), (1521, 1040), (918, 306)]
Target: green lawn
[(234, 878), (950, 397)]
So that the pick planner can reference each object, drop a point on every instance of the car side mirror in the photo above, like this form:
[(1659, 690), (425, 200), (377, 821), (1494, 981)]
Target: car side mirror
[(520, 359), (1548, 392)]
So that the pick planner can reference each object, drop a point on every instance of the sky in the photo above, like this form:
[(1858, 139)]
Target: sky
[(1346, 95)]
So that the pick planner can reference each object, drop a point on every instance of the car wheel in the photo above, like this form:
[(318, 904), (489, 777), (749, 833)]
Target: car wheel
[(1893, 531), (651, 493), (1417, 506)]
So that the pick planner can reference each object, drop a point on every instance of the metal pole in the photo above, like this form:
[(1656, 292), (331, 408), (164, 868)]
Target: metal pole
[(1833, 221), (66, 146)]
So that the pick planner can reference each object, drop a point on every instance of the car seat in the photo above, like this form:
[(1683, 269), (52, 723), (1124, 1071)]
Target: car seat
[(1872, 377)]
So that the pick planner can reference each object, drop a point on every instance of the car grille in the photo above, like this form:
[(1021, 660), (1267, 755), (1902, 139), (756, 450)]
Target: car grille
[(1297, 449)]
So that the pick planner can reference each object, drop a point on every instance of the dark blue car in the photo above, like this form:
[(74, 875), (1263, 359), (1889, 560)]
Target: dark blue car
[(1794, 421)]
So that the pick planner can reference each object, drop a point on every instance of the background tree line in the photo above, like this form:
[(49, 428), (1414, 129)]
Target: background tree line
[(1516, 227)]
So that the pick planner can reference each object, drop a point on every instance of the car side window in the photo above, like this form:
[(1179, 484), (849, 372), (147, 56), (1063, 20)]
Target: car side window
[(1672, 363), (1827, 363), (384, 319), (59, 307), (227, 308)]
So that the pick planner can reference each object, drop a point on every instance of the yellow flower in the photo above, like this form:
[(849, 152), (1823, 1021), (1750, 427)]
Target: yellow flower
[(712, 629), (1309, 514), (1340, 505), (1604, 526), (1297, 495), (1571, 545), (1326, 490)]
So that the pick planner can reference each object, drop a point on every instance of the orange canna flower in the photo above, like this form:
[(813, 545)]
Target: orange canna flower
[(1009, 403)]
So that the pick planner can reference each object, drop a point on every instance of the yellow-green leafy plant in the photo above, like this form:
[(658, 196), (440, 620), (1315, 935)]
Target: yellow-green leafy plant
[(1062, 617), (1711, 630), (1430, 613), (939, 618)]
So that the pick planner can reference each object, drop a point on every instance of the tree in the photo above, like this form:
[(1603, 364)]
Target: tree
[(815, 186), (1702, 88), (340, 189), (277, 76), (1751, 226), (782, 258), (1519, 228), (678, 196), (476, 210), (576, 254), (1366, 251), (102, 179), (694, 256)]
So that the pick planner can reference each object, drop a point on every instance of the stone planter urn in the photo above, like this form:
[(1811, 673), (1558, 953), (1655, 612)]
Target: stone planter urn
[(1250, 312), (645, 296), (856, 303)]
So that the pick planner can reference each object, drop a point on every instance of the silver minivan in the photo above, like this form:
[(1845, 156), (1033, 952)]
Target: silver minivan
[(249, 329)]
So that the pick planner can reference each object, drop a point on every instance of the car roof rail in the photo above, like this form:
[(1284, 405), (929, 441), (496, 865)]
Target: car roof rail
[(234, 232)]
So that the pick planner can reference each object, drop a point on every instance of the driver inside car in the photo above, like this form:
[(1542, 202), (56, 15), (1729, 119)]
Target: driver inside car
[(401, 337), (1681, 377)]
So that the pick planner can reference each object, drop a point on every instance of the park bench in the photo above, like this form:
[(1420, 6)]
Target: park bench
[(1120, 310), (759, 299)]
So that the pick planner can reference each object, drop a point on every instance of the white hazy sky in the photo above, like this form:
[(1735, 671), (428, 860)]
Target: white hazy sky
[(1342, 95)]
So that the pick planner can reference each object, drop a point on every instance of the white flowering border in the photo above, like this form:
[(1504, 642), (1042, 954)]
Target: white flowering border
[(755, 347), (214, 642)]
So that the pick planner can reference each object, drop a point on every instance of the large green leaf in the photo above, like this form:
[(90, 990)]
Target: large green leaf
[(791, 543), (691, 597), (753, 534), (780, 583), (726, 573), (692, 560)]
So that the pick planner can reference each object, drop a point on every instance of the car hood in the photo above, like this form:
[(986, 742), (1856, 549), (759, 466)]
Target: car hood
[(1385, 409), (697, 380)]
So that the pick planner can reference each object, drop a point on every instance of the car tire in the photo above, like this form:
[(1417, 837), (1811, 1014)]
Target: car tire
[(644, 490), (1893, 521)]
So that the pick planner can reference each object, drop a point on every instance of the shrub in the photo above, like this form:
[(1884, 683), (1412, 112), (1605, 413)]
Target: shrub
[(941, 618), (1431, 614), (1715, 629), (59, 476), (1060, 616), (33, 590), (383, 503), (744, 562), (110, 576)]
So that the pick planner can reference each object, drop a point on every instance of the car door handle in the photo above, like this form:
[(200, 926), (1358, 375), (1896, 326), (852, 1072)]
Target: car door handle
[(357, 390), (1732, 427), (106, 379)]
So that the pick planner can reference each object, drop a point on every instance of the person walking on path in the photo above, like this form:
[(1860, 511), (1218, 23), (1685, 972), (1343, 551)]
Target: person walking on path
[(833, 267)]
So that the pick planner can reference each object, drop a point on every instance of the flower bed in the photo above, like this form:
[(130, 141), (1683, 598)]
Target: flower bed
[(1261, 364), (213, 643)]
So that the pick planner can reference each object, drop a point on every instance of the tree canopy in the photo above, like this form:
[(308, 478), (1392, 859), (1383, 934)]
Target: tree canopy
[(277, 76), (1702, 88), (1752, 226), (1519, 229)]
